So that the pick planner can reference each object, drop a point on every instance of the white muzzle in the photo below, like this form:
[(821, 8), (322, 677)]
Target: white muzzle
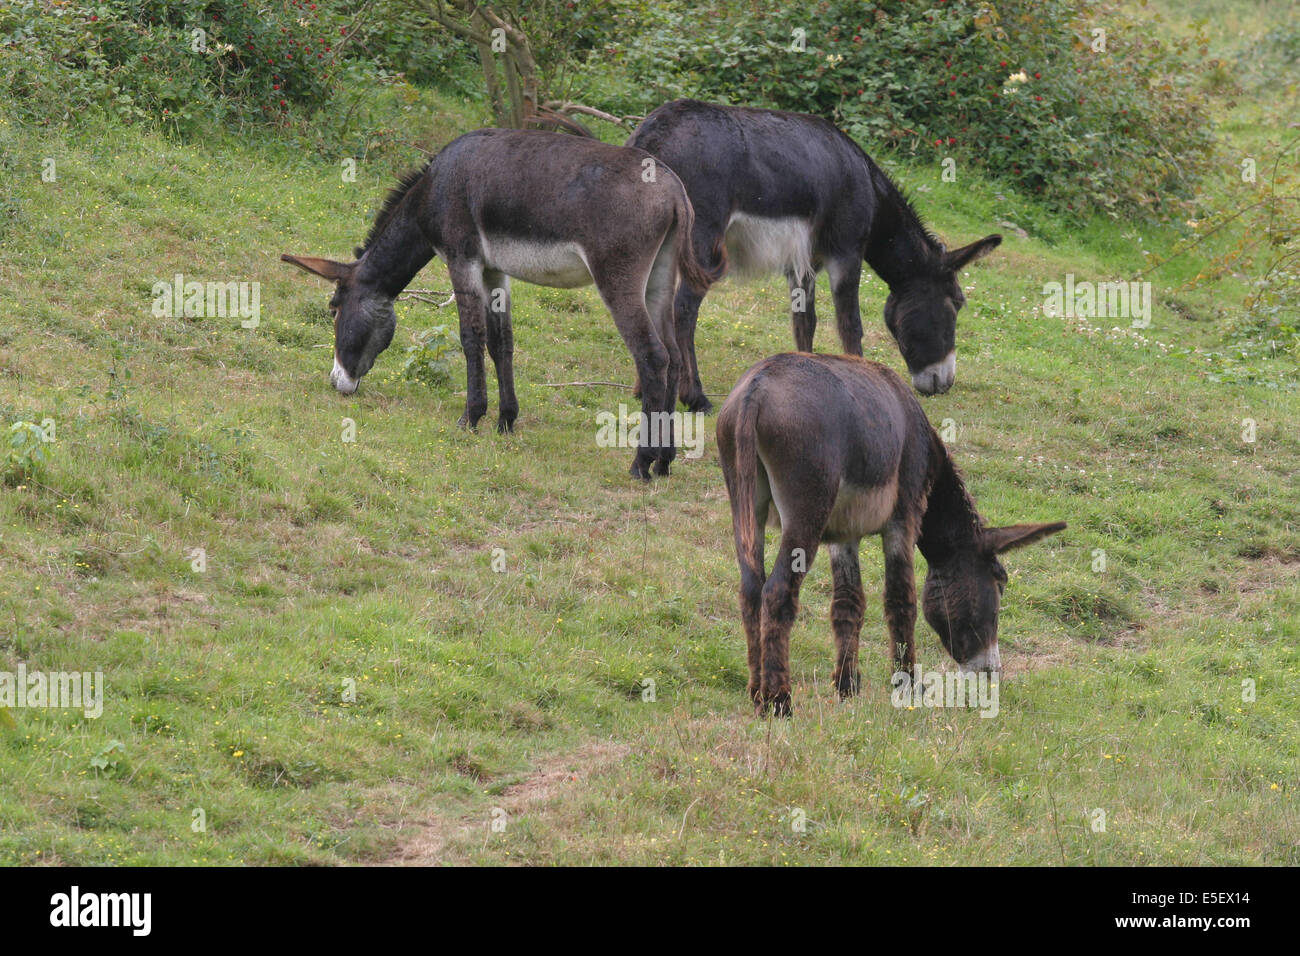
[(341, 380), (937, 378), (988, 660)]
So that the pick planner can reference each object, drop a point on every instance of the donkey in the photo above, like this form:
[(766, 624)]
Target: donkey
[(788, 192), (842, 448), (548, 208)]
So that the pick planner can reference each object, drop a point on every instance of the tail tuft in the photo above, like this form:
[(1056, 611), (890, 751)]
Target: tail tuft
[(749, 536), (693, 272)]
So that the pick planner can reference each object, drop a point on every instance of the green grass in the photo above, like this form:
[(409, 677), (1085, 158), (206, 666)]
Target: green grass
[(331, 564)]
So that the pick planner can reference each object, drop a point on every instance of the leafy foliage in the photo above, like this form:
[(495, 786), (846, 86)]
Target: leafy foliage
[(1077, 102), (25, 454), (431, 359), (177, 63)]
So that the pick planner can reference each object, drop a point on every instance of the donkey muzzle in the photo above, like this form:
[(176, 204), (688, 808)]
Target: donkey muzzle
[(988, 661), (937, 378), (343, 383)]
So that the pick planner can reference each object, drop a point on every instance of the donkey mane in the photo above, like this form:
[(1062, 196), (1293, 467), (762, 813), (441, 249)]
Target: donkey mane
[(891, 194), (948, 490), (900, 203), (391, 202)]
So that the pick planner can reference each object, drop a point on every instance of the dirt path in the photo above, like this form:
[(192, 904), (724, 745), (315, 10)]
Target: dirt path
[(441, 840)]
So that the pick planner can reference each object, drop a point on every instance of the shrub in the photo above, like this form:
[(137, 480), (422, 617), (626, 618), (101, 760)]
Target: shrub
[(1026, 88), (430, 358), (179, 63), (25, 454)]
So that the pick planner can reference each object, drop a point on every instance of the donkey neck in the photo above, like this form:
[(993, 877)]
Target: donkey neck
[(898, 247), (397, 250), (950, 524)]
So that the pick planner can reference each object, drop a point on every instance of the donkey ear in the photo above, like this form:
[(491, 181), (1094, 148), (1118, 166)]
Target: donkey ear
[(959, 258), (1014, 536), (325, 268)]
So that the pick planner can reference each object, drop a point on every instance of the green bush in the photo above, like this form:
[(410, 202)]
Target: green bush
[(431, 358), (1025, 88), (181, 64), (25, 455)]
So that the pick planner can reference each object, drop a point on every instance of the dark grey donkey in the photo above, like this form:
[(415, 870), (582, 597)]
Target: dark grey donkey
[(543, 207), (842, 448), (788, 192)]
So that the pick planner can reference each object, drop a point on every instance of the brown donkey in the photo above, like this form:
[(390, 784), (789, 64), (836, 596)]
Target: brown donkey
[(843, 449), (549, 208)]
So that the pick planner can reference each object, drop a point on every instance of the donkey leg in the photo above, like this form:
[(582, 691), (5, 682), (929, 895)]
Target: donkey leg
[(707, 238), (686, 309), (900, 596), (803, 312), (501, 346), (651, 357), (660, 287), (847, 607), (752, 574), (845, 276), (780, 605), (471, 303)]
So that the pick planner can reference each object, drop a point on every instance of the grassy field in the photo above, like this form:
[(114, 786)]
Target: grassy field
[(519, 695)]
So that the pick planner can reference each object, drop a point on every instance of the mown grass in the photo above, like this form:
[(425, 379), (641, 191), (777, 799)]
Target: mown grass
[(370, 563)]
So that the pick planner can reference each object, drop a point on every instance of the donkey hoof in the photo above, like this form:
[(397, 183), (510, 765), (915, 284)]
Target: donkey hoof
[(848, 685), (661, 466), (777, 705), (505, 425), (640, 468), (699, 403)]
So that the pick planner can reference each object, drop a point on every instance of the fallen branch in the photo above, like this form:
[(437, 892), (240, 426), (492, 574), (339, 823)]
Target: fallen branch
[(429, 295), (567, 106), (585, 384)]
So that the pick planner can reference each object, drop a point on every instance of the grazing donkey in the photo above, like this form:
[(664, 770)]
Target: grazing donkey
[(543, 207), (788, 192), (843, 450)]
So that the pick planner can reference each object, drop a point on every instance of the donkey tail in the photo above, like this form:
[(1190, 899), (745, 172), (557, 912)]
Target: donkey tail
[(749, 536), (696, 275)]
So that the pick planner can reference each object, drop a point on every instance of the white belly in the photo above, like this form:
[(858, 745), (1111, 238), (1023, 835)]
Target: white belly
[(560, 265), (761, 246), (859, 512)]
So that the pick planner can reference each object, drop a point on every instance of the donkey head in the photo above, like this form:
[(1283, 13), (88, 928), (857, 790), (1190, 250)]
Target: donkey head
[(963, 594), (921, 315), (364, 320)]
